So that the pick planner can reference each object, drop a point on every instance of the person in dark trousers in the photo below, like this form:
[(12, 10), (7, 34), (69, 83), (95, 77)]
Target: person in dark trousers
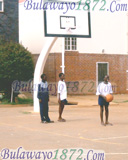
[(62, 96), (103, 89), (43, 96)]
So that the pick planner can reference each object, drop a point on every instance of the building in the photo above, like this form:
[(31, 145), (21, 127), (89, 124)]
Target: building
[(9, 25), (86, 60)]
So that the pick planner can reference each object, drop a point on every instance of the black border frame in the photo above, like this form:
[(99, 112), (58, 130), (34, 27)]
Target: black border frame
[(67, 35)]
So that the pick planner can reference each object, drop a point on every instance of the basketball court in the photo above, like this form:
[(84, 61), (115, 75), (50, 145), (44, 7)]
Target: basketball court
[(20, 126), (57, 23)]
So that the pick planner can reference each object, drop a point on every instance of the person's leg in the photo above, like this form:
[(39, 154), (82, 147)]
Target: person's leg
[(101, 103), (101, 114), (61, 108), (46, 112), (107, 115), (42, 112)]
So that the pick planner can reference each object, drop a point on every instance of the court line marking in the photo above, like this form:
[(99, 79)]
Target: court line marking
[(28, 114), (110, 138), (116, 153), (86, 139)]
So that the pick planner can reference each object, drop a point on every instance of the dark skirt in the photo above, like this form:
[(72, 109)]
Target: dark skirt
[(102, 102)]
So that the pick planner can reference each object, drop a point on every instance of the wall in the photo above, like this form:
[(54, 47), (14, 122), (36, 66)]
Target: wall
[(80, 71), (109, 32), (9, 26)]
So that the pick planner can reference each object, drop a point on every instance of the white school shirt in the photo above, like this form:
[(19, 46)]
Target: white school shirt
[(44, 84), (104, 89), (62, 90)]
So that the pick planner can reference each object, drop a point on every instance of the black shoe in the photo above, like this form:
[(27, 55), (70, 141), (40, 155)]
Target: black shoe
[(50, 122), (44, 122)]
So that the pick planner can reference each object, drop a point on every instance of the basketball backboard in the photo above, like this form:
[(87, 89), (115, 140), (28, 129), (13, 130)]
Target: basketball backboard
[(66, 19)]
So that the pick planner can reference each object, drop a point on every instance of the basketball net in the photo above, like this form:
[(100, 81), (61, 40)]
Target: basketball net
[(68, 30), (68, 27)]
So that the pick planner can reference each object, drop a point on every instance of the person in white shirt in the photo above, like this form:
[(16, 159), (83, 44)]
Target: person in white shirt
[(62, 96), (103, 89)]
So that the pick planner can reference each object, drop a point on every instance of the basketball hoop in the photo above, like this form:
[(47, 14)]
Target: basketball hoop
[(69, 30), (69, 24)]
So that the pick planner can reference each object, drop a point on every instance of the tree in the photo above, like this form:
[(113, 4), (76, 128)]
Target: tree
[(15, 64)]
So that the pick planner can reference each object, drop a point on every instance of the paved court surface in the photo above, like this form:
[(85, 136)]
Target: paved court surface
[(19, 126)]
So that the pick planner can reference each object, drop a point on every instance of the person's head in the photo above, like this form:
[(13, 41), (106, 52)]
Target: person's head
[(44, 77), (62, 76), (106, 78)]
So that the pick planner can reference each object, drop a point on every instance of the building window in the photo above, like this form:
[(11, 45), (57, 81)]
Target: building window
[(70, 44), (102, 69), (1, 5)]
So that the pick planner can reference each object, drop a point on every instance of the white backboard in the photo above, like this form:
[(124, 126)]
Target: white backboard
[(66, 19)]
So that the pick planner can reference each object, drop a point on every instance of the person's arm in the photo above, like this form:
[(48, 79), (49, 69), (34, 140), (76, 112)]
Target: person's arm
[(38, 94), (48, 97), (98, 90), (98, 93), (111, 91), (59, 101), (48, 92)]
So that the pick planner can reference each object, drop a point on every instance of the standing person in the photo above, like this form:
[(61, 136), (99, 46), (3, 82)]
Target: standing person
[(103, 89), (43, 96), (62, 96)]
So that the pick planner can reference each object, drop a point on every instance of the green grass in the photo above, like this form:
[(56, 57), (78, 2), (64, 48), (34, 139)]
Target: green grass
[(26, 112), (120, 101), (20, 101), (25, 101), (5, 101)]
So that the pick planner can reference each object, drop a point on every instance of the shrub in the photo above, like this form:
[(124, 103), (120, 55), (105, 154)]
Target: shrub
[(15, 64)]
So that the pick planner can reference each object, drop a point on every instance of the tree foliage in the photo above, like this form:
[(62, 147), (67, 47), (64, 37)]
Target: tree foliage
[(15, 64)]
